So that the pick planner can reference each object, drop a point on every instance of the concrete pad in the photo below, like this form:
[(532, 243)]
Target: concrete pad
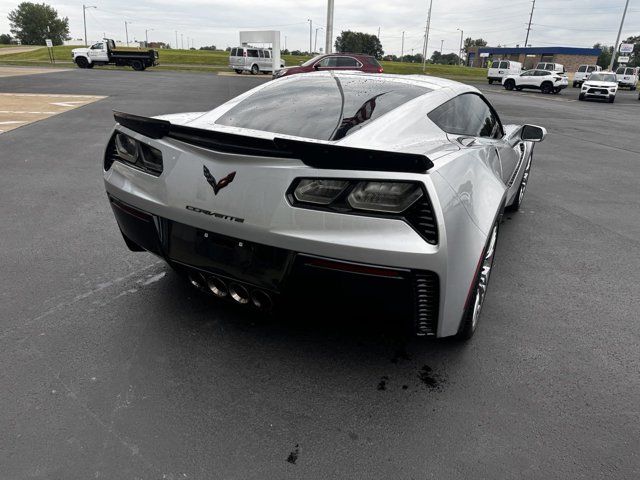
[(18, 109), (7, 71)]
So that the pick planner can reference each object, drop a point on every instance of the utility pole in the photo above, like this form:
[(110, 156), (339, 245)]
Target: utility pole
[(176, 46), (187, 43), (126, 31), (182, 41), (328, 39), (84, 19), (310, 33), (146, 36), (426, 37), (285, 42), (460, 51), (526, 41), (441, 46), (378, 33), (617, 46), (402, 48)]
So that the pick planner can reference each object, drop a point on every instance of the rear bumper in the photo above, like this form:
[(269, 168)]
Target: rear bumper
[(410, 297)]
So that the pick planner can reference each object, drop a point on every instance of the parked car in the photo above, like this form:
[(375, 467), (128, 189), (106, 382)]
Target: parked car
[(602, 85), (543, 80), (335, 61), (583, 72), (501, 68), (627, 77), (105, 52), (252, 59), (551, 67), (397, 206)]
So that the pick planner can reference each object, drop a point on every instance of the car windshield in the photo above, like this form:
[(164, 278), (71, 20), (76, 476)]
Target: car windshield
[(327, 107), (311, 61), (602, 77)]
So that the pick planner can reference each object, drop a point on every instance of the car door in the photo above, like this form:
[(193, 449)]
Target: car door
[(327, 63), (98, 53), (348, 63), (267, 64), (526, 79)]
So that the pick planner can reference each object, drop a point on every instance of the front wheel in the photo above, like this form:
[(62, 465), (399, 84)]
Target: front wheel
[(479, 289), (517, 202), (238, 71), (581, 97), (612, 99), (255, 70), (82, 62), (490, 82), (509, 85)]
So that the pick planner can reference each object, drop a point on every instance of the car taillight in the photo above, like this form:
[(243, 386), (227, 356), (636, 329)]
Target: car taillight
[(244, 53), (380, 69), (132, 152)]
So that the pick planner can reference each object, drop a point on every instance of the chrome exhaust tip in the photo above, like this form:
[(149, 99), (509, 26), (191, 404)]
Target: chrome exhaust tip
[(239, 293), (261, 300), (197, 280), (218, 287)]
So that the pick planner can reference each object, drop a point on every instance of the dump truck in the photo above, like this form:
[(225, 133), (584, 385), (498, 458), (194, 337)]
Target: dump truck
[(106, 53)]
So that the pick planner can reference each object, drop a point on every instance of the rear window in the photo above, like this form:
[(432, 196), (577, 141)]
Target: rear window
[(495, 65), (347, 62), (371, 61), (320, 107)]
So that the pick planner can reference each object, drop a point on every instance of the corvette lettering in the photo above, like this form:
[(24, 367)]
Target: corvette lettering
[(214, 214)]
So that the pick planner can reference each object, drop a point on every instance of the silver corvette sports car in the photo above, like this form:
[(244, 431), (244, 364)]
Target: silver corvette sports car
[(387, 189)]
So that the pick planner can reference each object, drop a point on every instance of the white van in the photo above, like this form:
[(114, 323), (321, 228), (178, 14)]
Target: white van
[(501, 68), (583, 73), (551, 67), (627, 77), (251, 59)]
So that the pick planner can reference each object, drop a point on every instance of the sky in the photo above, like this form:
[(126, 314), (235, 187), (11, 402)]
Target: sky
[(577, 23)]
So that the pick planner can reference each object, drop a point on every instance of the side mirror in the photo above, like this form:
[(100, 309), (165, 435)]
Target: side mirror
[(533, 133), (316, 66)]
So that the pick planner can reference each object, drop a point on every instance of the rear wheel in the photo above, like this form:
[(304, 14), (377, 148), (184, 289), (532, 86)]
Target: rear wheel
[(546, 87), (137, 65), (509, 84), (255, 70), (490, 82), (82, 62), (479, 289), (238, 71)]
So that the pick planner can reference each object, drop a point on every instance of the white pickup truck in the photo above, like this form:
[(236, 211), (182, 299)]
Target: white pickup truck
[(105, 52)]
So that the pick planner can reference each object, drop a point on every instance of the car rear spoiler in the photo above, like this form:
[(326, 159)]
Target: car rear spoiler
[(313, 154)]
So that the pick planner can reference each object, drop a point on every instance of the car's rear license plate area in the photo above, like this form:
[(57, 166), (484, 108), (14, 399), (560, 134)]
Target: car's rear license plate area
[(257, 264)]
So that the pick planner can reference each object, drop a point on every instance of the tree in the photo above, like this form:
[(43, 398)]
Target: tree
[(5, 39), (605, 56), (448, 59), (32, 23), (359, 42), (469, 42), (210, 47)]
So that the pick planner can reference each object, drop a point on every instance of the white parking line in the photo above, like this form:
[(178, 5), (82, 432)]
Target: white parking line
[(32, 113)]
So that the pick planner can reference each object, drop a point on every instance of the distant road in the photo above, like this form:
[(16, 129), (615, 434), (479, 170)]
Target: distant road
[(20, 49)]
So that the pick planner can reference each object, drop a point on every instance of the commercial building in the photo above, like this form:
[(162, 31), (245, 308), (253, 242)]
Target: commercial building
[(570, 57)]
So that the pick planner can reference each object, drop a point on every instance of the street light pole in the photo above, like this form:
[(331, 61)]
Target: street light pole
[(328, 40), (146, 35), (617, 46), (126, 31), (441, 46), (526, 40), (402, 48), (176, 46), (460, 51), (310, 33), (84, 20), (426, 37)]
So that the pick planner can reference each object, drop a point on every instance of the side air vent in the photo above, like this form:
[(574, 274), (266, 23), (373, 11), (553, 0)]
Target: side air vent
[(421, 217), (427, 296)]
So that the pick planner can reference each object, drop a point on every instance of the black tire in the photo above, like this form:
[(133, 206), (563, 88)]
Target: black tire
[(255, 70), (612, 99), (137, 65), (633, 89), (82, 62), (556, 91), (490, 82), (238, 71), (546, 87), (517, 202), (509, 85), (575, 84), (91, 65), (472, 311), (581, 97), (519, 89)]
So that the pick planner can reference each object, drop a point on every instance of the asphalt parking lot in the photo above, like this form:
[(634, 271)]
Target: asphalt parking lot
[(112, 367)]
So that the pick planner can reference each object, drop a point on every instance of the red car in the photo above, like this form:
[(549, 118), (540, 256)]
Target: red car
[(335, 61)]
